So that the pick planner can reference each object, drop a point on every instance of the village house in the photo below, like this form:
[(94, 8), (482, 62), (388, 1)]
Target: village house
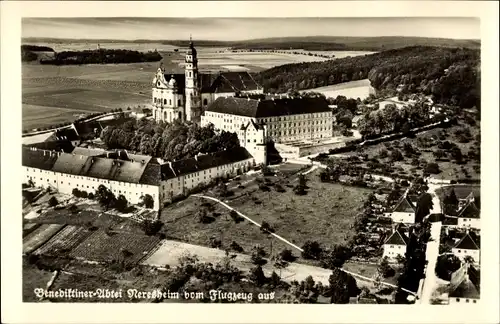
[(464, 285), (404, 211), (467, 247), (395, 245)]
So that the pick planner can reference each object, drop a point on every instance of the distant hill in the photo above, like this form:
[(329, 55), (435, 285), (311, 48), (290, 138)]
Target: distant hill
[(450, 75), (30, 53), (306, 43)]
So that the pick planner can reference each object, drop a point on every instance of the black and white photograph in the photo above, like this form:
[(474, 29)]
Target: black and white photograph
[(253, 160)]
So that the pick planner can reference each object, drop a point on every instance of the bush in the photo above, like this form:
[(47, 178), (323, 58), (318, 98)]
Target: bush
[(53, 202), (311, 250), (432, 168), (236, 247), (266, 228), (235, 216), (151, 227), (287, 255)]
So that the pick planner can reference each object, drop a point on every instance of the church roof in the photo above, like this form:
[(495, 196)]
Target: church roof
[(268, 108), (467, 243), (404, 206), (397, 238), (465, 282), (234, 82)]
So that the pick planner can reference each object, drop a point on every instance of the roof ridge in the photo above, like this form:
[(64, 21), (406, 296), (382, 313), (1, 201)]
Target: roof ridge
[(463, 238)]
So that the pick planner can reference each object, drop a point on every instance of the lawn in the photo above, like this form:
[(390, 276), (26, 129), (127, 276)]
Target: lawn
[(324, 214)]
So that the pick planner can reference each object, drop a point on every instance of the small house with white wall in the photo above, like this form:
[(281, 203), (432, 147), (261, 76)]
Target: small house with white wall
[(395, 245), (469, 216), (467, 247), (404, 212)]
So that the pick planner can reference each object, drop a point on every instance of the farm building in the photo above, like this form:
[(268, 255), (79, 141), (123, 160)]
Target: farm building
[(185, 96), (467, 247), (395, 245), (130, 175)]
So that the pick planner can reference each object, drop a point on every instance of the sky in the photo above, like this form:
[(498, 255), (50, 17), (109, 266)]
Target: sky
[(227, 29)]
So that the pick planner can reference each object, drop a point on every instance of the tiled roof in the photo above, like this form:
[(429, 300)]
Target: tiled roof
[(470, 210), (59, 146), (452, 221), (268, 108), (465, 282), (463, 191), (38, 159), (404, 206), (88, 151), (397, 238), (467, 243), (234, 82)]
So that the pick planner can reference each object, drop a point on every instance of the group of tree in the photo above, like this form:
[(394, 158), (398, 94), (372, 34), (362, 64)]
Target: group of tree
[(29, 52), (102, 56), (107, 199), (170, 141), (330, 258), (394, 120), (449, 75)]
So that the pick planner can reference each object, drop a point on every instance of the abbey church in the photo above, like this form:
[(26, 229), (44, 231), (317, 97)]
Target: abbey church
[(185, 96)]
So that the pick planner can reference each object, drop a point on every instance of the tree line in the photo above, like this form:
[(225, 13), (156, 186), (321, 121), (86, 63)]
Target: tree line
[(102, 56), (450, 75), (170, 141)]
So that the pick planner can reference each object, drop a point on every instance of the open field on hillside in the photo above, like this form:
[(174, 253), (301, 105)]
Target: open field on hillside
[(449, 169), (61, 243), (353, 89), (324, 214)]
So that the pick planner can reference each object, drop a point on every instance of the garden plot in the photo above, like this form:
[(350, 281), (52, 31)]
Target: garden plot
[(39, 236), (65, 240), (106, 246)]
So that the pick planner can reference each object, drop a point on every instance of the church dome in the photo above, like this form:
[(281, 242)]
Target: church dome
[(172, 82), (191, 50)]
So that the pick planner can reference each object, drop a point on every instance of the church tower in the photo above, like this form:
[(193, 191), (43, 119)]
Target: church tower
[(193, 93)]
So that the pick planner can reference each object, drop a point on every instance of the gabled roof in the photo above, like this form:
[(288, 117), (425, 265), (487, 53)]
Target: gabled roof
[(470, 210), (254, 124), (397, 238), (39, 138), (465, 282), (467, 243), (268, 108), (234, 82), (404, 206)]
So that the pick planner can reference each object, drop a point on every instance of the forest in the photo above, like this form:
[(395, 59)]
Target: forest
[(450, 75), (28, 52), (102, 56), (170, 141)]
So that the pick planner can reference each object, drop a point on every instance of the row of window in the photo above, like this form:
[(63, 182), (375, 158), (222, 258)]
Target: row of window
[(297, 131), (159, 101), (281, 125), (467, 300)]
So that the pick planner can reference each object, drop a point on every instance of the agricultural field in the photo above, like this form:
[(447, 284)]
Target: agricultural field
[(39, 236), (353, 89), (108, 246), (61, 243), (324, 214)]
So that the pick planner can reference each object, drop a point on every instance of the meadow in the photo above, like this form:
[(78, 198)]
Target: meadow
[(55, 94), (354, 89)]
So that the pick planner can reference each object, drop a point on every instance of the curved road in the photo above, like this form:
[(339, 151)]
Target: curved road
[(293, 245)]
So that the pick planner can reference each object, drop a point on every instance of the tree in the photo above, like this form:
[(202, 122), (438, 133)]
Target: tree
[(335, 257), (450, 203), (76, 192), (300, 189), (151, 227), (311, 250), (279, 263), (258, 255), (257, 275), (121, 203), (384, 269), (424, 206), (105, 197), (53, 202), (342, 287), (266, 228), (446, 265), (147, 201), (287, 255), (432, 168), (396, 155)]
